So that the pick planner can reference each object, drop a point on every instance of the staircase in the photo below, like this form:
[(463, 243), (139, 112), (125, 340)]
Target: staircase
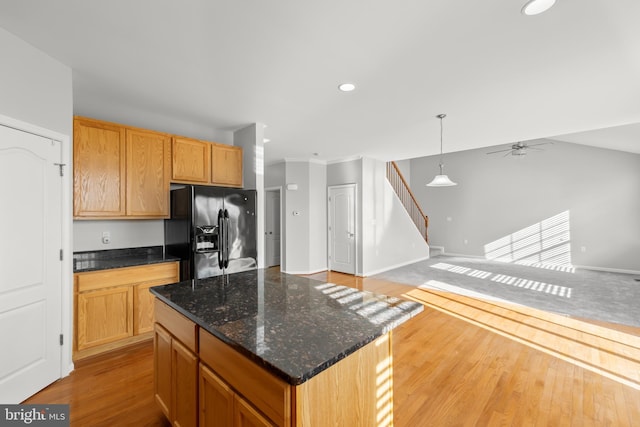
[(394, 176)]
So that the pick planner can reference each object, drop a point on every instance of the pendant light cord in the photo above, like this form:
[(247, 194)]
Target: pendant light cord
[(441, 116)]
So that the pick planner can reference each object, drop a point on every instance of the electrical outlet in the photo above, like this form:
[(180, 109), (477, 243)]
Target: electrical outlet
[(106, 237)]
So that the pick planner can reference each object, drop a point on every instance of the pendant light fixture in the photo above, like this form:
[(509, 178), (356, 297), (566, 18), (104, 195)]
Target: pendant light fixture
[(535, 7), (441, 180)]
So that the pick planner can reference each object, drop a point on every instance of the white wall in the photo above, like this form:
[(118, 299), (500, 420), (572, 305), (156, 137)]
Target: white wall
[(87, 235), (390, 238), (317, 217), (37, 90), (498, 196), (295, 215), (251, 139)]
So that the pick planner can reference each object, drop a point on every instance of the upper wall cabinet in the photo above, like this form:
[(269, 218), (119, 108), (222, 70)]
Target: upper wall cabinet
[(226, 165), (148, 171), (201, 162), (191, 161), (119, 171), (98, 169)]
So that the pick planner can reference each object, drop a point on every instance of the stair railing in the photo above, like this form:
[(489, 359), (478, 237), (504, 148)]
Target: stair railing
[(407, 198)]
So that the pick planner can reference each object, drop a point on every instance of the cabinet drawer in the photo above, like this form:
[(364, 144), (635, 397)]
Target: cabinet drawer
[(168, 272), (178, 325), (267, 393)]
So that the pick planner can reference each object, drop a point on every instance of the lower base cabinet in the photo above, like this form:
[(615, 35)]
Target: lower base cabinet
[(114, 307), (221, 406), (176, 371), (201, 381)]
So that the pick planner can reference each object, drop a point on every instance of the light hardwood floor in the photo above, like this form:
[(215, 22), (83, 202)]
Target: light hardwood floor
[(459, 363)]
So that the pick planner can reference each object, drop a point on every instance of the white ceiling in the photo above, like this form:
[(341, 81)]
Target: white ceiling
[(500, 76)]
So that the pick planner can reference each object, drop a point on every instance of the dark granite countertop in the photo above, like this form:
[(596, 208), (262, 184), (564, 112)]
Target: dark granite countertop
[(293, 326), (118, 258)]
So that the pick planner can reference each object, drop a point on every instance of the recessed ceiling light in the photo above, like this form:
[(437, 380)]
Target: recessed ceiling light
[(534, 7), (347, 87), (265, 140)]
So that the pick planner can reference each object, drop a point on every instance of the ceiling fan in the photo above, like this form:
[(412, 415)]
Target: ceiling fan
[(520, 148)]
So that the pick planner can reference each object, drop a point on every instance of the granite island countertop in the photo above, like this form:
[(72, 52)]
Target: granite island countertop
[(119, 258), (293, 326)]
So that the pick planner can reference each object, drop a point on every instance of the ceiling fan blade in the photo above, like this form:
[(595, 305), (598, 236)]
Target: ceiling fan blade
[(512, 152), (539, 143), (534, 148), (500, 151)]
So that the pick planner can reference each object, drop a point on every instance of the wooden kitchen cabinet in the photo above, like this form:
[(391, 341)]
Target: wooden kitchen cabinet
[(162, 369), (206, 163), (226, 165), (120, 171), (220, 406), (269, 396), (216, 400), (148, 170), (245, 415), (115, 308), (104, 316), (176, 367), (98, 169), (191, 161)]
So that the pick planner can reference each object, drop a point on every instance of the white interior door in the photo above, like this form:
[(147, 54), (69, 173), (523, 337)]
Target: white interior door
[(342, 228), (272, 228), (30, 266)]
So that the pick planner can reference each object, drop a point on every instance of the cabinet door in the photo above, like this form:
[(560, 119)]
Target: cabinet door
[(247, 416), (226, 165), (184, 372), (148, 171), (143, 299), (104, 316), (143, 308), (216, 400), (98, 169), (162, 369), (191, 161)]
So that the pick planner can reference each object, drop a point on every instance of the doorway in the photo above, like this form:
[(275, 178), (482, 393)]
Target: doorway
[(31, 262), (342, 228), (272, 238)]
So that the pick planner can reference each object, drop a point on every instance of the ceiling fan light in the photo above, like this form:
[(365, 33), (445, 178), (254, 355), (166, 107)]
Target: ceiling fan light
[(534, 7), (441, 181)]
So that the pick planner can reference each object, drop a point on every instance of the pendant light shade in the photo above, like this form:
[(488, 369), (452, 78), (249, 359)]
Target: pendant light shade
[(441, 180), (535, 7)]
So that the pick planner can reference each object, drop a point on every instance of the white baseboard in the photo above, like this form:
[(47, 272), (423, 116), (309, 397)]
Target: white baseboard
[(304, 272), (437, 248), (382, 270), (464, 255), (583, 267), (608, 270)]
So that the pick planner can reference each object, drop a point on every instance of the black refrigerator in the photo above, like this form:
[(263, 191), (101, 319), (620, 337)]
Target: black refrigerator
[(212, 230)]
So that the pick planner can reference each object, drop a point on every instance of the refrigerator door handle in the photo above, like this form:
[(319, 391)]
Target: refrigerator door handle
[(221, 238), (226, 238)]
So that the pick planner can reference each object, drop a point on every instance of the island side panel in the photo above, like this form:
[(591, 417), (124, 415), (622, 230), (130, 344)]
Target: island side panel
[(357, 391)]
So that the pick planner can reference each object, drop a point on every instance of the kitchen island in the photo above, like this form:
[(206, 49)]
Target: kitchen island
[(266, 348)]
